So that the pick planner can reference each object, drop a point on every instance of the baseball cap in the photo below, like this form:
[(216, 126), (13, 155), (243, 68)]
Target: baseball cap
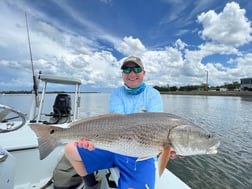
[(133, 59)]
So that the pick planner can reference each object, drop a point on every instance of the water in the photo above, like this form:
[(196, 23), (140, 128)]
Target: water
[(228, 117)]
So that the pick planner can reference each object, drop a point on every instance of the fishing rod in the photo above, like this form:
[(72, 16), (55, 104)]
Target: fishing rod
[(35, 85)]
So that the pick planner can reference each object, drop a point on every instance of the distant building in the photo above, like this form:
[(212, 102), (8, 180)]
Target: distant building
[(246, 84), (222, 89)]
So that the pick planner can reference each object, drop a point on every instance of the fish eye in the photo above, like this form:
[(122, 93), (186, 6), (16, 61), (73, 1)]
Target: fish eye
[(52, 131), (209, 136)]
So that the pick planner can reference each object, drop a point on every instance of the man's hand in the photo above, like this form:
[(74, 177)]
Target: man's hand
[(173, 155), (85, 144)]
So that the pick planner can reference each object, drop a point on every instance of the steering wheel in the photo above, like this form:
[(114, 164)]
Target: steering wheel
[(10, 119)]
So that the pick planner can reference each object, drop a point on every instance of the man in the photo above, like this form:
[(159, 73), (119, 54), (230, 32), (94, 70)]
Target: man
[(134, 96)]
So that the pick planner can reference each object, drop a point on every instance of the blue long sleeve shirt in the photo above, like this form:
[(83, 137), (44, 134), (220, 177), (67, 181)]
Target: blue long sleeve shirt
[(148, 101)]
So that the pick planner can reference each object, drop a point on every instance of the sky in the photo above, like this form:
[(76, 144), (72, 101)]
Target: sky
[(179, 42)]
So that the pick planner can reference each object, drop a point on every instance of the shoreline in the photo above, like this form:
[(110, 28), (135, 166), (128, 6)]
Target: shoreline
[(199, 93), (210, 93)]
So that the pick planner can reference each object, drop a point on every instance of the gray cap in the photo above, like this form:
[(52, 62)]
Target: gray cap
[(133, 59)]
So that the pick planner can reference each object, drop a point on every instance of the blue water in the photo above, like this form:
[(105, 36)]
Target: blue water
[(228, 117)]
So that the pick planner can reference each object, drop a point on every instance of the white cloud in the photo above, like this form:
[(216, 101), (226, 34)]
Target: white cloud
[(214, 48), (61, 51), (163, 66), (130, 46), (179, 44), (229, 27), (244, 66)]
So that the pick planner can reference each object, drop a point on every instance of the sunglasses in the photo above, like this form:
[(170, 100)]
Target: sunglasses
[(127, 70)]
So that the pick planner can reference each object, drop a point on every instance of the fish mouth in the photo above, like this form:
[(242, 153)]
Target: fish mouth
[(213, 149)]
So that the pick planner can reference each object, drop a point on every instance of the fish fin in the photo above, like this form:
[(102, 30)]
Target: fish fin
[(163, 159), (46, 140), (94, 118)]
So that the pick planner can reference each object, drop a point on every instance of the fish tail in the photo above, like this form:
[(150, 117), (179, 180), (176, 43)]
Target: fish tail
[(46, 140)]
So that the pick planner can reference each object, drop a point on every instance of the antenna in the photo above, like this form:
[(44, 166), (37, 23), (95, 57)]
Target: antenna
[(35, 85)]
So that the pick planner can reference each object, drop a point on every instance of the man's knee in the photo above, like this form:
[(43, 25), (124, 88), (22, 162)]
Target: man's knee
[(70, 149)]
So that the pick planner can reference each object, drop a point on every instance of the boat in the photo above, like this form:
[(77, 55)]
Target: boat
[(20, 165)]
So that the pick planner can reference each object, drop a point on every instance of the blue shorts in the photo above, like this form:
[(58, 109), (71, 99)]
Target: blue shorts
[(133, 174)]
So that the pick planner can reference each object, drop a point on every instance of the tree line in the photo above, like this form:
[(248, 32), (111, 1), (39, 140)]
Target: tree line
[(203, 87)]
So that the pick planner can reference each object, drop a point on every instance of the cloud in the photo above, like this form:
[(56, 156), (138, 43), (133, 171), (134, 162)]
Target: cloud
[(93, 55), (230, 27), (244, 66), (214, 48), (179, 44), (130, 46)]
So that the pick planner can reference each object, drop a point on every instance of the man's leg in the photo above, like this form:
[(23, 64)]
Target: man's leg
[(73, 156), (135, 174)]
